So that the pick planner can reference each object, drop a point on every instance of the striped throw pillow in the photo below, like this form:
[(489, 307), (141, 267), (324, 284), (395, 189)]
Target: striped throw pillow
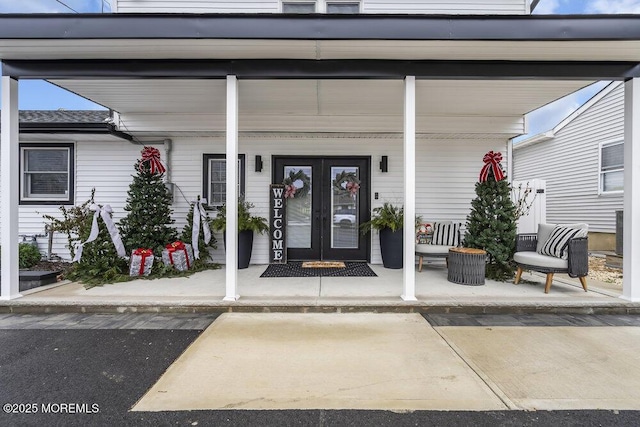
[(558, 242), (446, 233)]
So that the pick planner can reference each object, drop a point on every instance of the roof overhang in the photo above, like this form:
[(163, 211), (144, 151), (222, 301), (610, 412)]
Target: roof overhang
[(62, 128), (445, 43), (319, 27), (97, 55)]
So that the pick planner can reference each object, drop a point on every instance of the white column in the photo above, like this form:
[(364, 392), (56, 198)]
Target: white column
[(631, 237), (10, 174), (231, 276), (409, 270)]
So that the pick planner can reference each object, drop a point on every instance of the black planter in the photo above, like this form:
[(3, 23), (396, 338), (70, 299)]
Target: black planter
[(391, 248), (245, 246)]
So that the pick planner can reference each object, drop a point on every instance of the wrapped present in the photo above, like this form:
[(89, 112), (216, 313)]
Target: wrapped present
[(141, 262), (178, 254)]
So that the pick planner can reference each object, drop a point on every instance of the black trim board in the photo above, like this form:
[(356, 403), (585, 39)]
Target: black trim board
[(319, 69), (75, 128), (319, 27)]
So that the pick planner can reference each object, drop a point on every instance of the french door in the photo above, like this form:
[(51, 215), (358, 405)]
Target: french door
[(328, 200)]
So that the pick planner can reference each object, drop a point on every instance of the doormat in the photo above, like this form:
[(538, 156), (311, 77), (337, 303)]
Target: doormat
[(295, 269), (323, 264)]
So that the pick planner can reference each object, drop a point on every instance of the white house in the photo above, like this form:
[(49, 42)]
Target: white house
[(312, 86), (582, 162)]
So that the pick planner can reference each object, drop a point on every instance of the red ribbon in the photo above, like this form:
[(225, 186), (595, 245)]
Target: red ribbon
[(152, 155), (144, 253), (491, 161), (175, 247)]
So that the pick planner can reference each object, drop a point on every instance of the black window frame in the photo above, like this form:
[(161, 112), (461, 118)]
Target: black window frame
[(205, 175), (69, 199)]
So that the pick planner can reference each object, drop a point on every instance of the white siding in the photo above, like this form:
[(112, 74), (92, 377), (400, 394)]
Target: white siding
[(196, 6), (447, 170), (569, 165), (497, 7), (471, 7), (106, 166)]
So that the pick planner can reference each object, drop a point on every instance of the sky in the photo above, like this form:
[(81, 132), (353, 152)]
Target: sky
[(40, 95)]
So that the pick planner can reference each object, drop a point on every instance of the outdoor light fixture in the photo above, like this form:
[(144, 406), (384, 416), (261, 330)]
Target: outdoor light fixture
[(384, 164), (258, 163)]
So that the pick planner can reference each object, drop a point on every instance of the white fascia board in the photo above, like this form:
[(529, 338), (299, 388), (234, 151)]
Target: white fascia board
[(536, 139), (597, 97)]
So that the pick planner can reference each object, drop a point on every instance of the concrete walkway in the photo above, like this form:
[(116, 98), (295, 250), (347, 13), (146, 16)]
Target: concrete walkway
[(204, 292), (398, 362)]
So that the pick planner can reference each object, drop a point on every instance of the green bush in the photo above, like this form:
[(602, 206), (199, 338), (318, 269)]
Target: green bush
[(28, 255)]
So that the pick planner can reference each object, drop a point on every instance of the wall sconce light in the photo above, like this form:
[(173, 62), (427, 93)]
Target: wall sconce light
[(384, 164), (258, 163)]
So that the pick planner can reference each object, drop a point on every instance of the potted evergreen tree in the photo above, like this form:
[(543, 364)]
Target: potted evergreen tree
[(389, 221), (491, 224), (247, 226)]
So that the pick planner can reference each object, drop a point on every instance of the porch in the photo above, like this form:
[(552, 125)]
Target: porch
[(203, 292)]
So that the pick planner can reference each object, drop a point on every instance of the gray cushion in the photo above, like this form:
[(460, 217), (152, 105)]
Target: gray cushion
[(534, 258), (544, 230), (432, 249)]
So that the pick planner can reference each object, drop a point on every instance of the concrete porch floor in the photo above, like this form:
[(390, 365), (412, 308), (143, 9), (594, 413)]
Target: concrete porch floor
[(204, 292)]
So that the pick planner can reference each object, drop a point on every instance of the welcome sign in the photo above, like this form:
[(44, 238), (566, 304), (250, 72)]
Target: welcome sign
[(277, 225)]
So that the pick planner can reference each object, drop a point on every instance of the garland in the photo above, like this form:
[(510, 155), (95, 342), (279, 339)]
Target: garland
[(290, 189), (346, 182)]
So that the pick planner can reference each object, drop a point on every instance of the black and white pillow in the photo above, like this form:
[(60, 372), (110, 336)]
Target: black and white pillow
[(558, 241), (446, 233)]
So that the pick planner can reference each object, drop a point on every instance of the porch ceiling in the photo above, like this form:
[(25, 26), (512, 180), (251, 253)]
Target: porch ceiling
[(323, 97)]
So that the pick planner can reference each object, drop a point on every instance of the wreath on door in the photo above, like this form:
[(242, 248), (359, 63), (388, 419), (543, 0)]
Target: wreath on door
[(346, 182), (290, 189)]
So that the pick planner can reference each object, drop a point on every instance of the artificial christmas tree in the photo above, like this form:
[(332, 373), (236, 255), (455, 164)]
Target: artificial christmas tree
[(148, 222), (491, 225)]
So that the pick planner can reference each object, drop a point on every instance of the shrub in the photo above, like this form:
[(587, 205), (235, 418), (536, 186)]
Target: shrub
[(28, 255)]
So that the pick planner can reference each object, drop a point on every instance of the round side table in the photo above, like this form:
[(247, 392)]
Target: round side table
[(466, 266)]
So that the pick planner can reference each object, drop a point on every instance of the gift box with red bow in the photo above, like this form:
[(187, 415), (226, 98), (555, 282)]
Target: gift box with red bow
[(141, 262), (178, 254)]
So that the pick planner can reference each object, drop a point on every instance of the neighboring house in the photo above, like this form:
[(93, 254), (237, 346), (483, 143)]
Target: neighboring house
[(313, 87), (582, 162)]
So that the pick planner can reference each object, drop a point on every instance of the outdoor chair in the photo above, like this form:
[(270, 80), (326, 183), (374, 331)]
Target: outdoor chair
[(446, 234), (554, 249)]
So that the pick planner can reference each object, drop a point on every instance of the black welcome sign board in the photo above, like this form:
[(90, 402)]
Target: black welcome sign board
[(277, 225)]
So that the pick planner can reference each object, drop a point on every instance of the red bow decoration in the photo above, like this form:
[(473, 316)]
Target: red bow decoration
[(491, 161), (152, 155), (175, 247), (144, 253)]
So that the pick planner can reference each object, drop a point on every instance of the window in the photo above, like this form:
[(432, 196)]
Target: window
[(298, 6), (343, 7), (336, 6), (46, 173), (612, 167), (214, 180)]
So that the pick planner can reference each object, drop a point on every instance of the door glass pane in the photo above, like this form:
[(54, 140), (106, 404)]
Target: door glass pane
[(298, 206), (345, 184)]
